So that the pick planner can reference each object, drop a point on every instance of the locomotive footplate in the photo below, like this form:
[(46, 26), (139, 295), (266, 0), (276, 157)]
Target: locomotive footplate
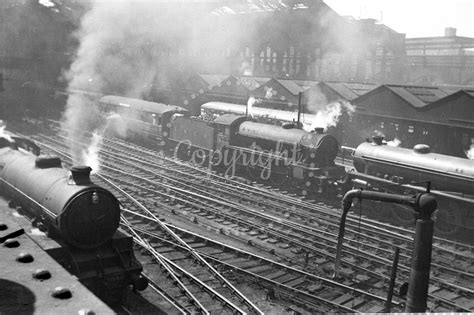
[(32, 282)]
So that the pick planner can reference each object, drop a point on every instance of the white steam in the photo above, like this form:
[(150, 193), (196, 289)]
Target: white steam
[(90, 156), (269, 92), (114, 125), (4, 134), (329, 115), (250, 103), (470, 152), (126, 48), (394, 143)]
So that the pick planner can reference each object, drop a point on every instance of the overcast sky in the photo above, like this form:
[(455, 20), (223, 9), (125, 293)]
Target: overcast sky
[(415, 18)]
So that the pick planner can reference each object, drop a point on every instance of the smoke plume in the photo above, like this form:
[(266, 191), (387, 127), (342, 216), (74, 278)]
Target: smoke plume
[(250, 103), (126, 48), (470, 152), (329, 115), (394, 143), (4, 134)]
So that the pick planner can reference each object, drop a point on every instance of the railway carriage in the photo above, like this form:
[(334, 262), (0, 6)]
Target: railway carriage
[(266, 115), (147, 122)]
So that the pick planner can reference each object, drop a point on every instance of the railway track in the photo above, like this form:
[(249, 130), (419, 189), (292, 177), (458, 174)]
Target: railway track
[(287, 281), (380, 249)]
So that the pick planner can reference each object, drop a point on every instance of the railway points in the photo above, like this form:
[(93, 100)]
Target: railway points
[(176, 204)]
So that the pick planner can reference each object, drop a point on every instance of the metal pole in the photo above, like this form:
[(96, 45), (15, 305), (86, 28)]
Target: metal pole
[(300, 94), (420, 266), (393, 276)]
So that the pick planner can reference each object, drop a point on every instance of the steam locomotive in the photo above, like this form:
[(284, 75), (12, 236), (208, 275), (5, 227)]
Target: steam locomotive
[(285, 155), (81, 219), (280, 154), (400, 170)]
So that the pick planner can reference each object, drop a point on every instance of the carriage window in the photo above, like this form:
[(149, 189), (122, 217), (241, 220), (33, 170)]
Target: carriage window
[(226, 131), (425, 132), (411, 129), (381, 125), (396, 127)]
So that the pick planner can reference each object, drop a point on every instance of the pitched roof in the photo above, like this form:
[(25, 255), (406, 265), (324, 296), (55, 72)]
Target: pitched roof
[(418, 96), (350, 90), (252, 83), (213, 79), (291, 86)]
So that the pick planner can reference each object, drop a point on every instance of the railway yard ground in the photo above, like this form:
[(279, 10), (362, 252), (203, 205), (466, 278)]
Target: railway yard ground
[(229, 245)]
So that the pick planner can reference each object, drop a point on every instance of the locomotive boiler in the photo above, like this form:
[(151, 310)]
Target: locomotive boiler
[(417, 165), (81, 218), (82, 213), (408, 171)]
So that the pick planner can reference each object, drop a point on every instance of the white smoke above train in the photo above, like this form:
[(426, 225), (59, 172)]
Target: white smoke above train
[(125, 48)]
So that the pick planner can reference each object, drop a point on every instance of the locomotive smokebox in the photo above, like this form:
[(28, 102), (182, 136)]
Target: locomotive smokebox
[(80, 174), (319, 130), (377, 140)]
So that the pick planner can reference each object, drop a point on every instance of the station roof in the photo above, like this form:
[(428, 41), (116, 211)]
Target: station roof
[(419, 96), (252, 83), (349, 90), (213, 79), (233, 7)]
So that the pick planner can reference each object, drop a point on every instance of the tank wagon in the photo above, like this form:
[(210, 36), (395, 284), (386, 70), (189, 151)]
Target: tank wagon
[(81, 219)]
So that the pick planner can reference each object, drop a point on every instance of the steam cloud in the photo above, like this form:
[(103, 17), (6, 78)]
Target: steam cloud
[(128, 47), (250, 103), (470, 152), (3, 133), (327, 114), (394, 143)]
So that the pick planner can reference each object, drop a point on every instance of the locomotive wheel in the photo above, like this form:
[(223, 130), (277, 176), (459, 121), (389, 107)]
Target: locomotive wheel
[(279, 179), (446, 223), (254, 172), (183, 154)]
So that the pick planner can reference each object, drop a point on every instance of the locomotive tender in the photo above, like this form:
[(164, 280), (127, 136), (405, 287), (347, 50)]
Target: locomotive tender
[(81, 218)]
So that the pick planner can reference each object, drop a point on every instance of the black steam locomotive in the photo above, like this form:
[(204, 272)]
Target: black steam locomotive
[(233, 144), (81, 219)]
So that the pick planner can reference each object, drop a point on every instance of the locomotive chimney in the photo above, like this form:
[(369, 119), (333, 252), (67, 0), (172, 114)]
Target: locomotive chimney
[(377, 140), (80, 174), (319, 130)]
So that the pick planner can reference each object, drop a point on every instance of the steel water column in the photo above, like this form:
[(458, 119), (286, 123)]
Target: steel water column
[(421, 260), (424, 204)]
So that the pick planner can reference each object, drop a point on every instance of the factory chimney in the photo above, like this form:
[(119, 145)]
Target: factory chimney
[(449, 32)]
